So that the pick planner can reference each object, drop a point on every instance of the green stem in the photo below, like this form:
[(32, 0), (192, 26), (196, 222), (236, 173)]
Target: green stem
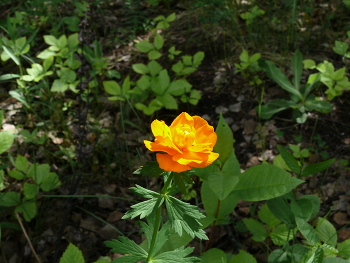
[(158, 218)]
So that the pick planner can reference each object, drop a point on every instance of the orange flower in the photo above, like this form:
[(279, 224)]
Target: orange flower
[(187, 143)]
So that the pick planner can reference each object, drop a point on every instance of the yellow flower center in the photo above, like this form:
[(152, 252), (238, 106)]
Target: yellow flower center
[(183, 136)]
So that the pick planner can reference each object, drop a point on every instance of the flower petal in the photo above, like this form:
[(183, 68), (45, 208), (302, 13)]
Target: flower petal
[(189, 157), (159, 128), (167, 163), (210, 158), (183, 118), (162, 147)]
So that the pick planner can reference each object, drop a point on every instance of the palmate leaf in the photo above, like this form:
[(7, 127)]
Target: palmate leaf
[(125, 246), (176, 256), (183, 216)]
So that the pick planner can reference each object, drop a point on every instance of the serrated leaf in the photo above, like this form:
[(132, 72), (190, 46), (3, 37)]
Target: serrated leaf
[(28, 209), (50, 181), (126, 247), (16, 174), (315, 168), (179, 87), (30, 190), (241, 257), (21, 163), (178, 255), (278, 256), (264, 182), (183, 216), (72, 254), (10, 199), (299, 251), (224, 144), (150, 169), (168, 101), (326, 231)]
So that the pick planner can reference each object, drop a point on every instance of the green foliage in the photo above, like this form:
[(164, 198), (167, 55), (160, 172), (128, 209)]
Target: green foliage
[(157, 87), (249, 65), (335, 80), (72, 254), (302, 100), (250, 16)]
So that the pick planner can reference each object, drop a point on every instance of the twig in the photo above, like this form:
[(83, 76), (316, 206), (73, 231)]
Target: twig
[(26, 235)]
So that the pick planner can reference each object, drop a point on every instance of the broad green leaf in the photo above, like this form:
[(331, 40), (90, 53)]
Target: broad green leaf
[(279, 256), (154, 68), (51, 40), (8, 53), (21, 163), (197, 58), (275, 74), (30, 190), (290, 160), (111, 87), (62, 42), (264, 182), (340, 47), (302, 208), (46, 54), (269, 109), (178, 255), (214, 255), (244, 56), (73, 41), (59, 85), (178, 67), (140, 68), (307, 231), (213, 206), (126, 85), (154, 54), (9, 76), (281, 235), (281, 210), (6, 140), (344, 249), (279, 162), (317, 257), (28, 209), (298, 251), (72, 254), (18, 95), (144, 46), (179, 87), (67, 75), (162, 25), (315, 201), (268, 217), (168, 101), (242, 257), (225, 141), (160, 83), (256, 228), (326, 231), (125, 246), (193, 98), (334, 260), (321, 106), (144, 82), (51, 181), (297, 68), (10, 199), (158, 41), (48, 63), (315, 168), (188, 70), (171, 17), (309, 64), (223, 182)]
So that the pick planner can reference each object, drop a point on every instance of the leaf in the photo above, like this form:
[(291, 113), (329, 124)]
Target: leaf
[(9, 76), (334, 260), (154, 54), (10, 199), (281, 235), (50, 182), (281, 210), (51, 40), (242, 257), (297, 68), (140, 68), (59, 85), (171, 17), (6, 140), (143, 209), (72, 254), (214, 255), (154, 68), (144, 46), (183, 216), (16, 174), (315, 201), (197, 58), (160, 83), (256, 228), (178, 67), (321, 106), (21, 163), (315, 168), (179, 87), (176, 256), (168, 101), (301, 208), (344, 249), (111, 87), (309, 64), (278, 256), (215, 208), (28, 209), (225, 141), (275, 74), (11, 55), (290, 160), (264, 182), (307, 231), (30, 190), (299, 251), (340, 47), (158, 41), (150, 169), (326, 231), (134, 252), (67, 75), (269, 109), (266, 216)]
